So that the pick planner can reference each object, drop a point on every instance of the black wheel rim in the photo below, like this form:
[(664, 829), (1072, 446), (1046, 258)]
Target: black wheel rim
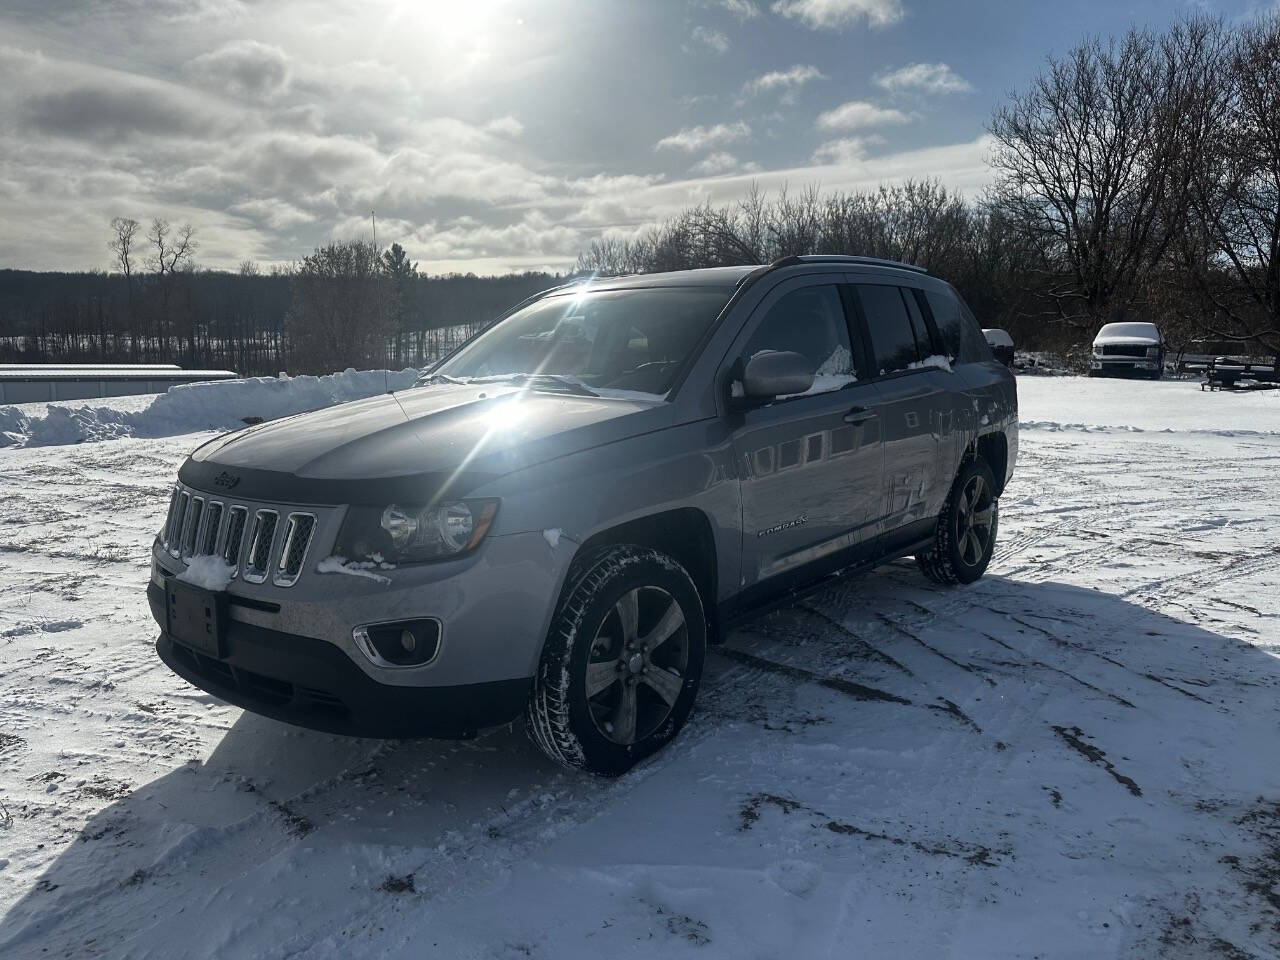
[(637, 666), (975, 520)]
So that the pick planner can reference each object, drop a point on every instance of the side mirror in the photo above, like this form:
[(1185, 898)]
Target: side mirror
[(775, 373)]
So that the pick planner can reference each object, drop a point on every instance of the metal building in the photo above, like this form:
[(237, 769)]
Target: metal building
[(35, 383)]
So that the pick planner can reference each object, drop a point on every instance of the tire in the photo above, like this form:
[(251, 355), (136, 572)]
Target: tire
[(961, 551), (616, 598)]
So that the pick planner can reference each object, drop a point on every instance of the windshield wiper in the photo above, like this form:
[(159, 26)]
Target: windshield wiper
[(540, 380), (436, 378)]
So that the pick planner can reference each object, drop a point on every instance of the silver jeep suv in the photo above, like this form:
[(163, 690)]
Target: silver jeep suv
[(562, 514)]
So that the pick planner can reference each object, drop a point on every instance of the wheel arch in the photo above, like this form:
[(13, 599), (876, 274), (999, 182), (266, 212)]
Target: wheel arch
[(994, 449), (685, 534)]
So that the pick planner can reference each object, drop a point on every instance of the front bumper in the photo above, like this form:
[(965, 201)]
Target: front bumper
[(1120, 366), (313, 683)]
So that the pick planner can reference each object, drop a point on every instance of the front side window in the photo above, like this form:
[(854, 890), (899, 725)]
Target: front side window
[(633, 340), (811, 322), (893, 339)]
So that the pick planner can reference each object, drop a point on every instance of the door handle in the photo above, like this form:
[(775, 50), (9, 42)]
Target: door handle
[(860, 415)]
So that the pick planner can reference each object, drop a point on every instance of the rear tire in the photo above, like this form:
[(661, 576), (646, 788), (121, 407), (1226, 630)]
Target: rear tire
[(622, 662), (966, 533)]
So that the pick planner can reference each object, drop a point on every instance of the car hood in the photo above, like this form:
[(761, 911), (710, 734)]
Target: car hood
[(439, 429)]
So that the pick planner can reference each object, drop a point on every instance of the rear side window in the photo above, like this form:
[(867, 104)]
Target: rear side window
[(893, 338), (810, 321), (961, 337)]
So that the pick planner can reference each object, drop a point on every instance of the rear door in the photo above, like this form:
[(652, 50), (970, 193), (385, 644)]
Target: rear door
[(915, 388), (809, 465)]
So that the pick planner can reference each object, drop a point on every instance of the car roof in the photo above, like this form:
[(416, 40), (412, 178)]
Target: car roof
[(728, 277), (706, 277)]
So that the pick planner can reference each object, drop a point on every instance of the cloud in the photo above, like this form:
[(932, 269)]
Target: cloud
[(858, 115), (112, 114), (274, 213), (720, 162), (713, 40), (833, 14), (742, 9), (924, 77), (507, 126), (784, 80), (244, 68), (846, 151), (693, 139)]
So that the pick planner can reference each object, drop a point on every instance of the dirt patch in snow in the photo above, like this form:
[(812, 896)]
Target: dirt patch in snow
[(1074, 738)]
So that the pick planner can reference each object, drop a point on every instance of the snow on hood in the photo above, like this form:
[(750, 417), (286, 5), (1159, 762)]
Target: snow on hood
[(1132, 341), (1132, 332)]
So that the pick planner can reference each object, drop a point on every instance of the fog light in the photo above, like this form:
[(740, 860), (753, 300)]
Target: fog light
[(402, 643)]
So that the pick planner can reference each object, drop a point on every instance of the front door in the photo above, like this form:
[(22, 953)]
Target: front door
[(809, 465)]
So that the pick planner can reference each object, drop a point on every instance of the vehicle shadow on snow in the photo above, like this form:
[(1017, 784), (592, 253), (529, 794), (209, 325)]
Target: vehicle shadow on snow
[(1146, 716)]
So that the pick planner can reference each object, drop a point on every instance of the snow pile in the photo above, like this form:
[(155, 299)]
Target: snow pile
[(192, 407), (208, 572), (937, 360), (352, 568)]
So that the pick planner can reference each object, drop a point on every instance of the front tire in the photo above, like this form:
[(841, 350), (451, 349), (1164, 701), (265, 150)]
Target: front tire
[(966, 533), (622, 662)]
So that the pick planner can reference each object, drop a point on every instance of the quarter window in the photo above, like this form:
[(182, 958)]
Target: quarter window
[(893, 341), (810, 322), (961, 337)]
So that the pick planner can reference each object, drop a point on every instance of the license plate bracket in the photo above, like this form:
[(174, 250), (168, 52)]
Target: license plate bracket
[(195, 616)]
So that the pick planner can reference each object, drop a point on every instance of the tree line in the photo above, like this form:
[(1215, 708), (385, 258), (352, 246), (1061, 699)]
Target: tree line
[(345, 304), (1136, 178)]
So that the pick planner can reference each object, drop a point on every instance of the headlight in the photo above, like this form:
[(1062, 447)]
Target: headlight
[(1153, 351), (1097, 350), (408, 533)]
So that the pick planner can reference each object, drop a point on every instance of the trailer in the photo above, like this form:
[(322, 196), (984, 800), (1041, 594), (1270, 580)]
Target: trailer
[(1233, 373)]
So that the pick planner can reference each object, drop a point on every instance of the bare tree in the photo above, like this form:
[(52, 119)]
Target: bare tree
[(1236, 213), (1094, 162), (124, 230), (171, 252), (338, 318)]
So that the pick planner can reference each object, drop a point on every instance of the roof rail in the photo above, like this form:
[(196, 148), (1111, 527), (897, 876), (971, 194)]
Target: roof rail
[(841, 258)]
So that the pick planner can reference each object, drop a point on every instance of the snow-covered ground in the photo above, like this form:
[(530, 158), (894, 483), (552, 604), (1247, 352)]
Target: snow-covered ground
[(1075, 757)]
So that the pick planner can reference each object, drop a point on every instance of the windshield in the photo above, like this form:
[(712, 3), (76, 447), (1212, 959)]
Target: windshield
[(1147, 331), (634, 340)]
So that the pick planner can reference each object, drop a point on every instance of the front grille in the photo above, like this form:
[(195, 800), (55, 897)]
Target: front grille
[(261, 540), (174, 539), (207, 542), (235, 534), (293, 550), (256, 542), (1124, 350)]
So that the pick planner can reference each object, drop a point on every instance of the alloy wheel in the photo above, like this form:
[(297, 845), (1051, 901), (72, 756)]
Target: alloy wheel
[(636, 669), (974, 520)]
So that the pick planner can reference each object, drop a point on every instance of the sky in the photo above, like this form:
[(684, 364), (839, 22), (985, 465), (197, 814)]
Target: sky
[(489, 135)]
